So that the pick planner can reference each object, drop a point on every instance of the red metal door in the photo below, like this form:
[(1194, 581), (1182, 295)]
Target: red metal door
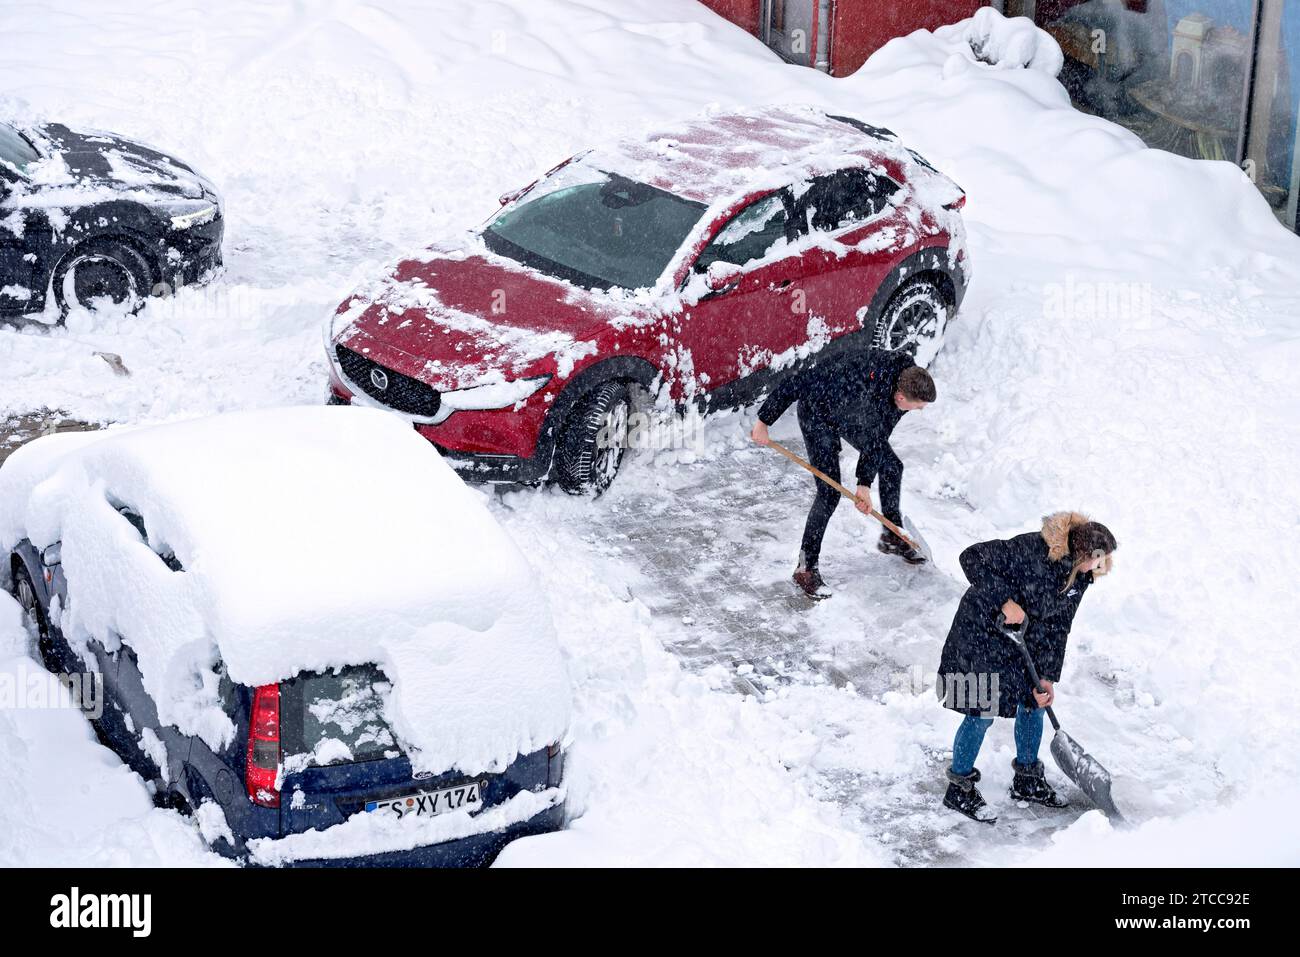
[(861, 27)]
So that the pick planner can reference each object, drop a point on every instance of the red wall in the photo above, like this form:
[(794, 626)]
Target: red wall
[(743, 13), (863, 26)]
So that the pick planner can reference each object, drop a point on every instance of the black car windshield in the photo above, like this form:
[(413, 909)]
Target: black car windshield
[(15, 150), (595, 229)]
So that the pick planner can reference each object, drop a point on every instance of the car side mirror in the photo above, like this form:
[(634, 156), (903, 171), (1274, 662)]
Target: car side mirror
[(52, 555), (721, 276)]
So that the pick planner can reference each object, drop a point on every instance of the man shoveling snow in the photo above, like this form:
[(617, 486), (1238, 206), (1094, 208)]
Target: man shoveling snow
[(857, 398)]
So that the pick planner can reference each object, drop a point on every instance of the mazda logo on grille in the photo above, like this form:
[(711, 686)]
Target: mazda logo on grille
[(379, 379)]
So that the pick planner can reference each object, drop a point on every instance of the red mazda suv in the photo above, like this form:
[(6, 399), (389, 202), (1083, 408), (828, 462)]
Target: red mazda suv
[(694, 265)]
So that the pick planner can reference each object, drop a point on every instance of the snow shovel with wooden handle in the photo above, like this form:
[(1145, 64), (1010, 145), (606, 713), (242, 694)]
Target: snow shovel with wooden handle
[(911, 535), (1075, 763)]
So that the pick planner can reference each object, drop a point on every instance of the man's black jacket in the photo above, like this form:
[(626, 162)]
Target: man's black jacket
[(851, 395)]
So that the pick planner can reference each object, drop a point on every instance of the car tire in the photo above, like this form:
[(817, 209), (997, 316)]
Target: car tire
[(99, 269), (170, 799), (24, 592), (593, 442), (914, 320)]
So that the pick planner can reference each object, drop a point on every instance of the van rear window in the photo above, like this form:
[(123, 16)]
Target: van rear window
[(336, 718)]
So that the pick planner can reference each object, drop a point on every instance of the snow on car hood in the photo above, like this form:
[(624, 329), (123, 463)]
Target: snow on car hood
[(311, 538), (78, 167), (464, 317)]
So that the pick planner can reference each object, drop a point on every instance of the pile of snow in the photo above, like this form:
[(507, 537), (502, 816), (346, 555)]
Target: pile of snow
[(1011, 43), (311, 539), (1259, 830)]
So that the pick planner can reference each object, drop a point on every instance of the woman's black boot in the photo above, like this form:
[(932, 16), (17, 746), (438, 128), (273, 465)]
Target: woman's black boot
[(1030, 784), (965, 798)]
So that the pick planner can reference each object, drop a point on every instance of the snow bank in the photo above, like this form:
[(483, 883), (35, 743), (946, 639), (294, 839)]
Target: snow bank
[(1260, 830), (311, 538)]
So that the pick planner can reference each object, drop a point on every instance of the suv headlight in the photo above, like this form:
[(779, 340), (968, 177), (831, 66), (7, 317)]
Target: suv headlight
[(193, 213)]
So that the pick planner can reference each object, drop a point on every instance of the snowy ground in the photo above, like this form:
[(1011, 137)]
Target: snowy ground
[(1125, 348)]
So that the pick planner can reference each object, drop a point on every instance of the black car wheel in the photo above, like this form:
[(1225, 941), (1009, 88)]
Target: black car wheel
[(591, 447), (102, 271), (170, 799), (24, 592), (914, 318)]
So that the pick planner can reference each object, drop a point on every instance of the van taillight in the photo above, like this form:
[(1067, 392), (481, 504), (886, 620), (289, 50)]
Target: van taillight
[(264, 747)]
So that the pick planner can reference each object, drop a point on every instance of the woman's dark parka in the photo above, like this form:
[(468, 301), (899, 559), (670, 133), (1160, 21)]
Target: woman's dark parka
[(978, 661)]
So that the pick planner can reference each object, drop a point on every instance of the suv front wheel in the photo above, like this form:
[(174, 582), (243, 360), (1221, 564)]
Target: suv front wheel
[(914, 321), (591, 447)]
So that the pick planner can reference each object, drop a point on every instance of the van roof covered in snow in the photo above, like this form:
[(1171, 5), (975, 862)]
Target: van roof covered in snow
[(310, 538)]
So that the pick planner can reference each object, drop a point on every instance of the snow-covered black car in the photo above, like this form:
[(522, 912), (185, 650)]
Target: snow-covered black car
[(91, 218)]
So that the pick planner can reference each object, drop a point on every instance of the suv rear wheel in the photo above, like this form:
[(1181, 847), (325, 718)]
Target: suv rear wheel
[(591, 447)]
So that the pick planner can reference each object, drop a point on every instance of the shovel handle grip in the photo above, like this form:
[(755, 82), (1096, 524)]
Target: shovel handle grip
[(843, 491)]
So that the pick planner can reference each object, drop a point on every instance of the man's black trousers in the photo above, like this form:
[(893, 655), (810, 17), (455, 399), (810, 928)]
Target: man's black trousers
[(823, 444)]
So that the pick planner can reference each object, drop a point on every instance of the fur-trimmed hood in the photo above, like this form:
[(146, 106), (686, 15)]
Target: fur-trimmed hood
[(1056, 532)]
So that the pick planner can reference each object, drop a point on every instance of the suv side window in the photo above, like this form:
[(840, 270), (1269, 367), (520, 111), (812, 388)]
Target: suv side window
[(843, 198), (750, 234)]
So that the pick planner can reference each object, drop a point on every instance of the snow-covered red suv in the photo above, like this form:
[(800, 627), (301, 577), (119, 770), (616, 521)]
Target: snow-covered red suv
[(697, 263)]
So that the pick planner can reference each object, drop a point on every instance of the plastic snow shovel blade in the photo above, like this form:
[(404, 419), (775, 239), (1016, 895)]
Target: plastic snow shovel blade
[(1085, 771), (922, 546)]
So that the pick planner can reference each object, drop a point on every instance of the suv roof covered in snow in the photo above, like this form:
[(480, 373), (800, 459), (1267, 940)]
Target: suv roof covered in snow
[(719, 155)]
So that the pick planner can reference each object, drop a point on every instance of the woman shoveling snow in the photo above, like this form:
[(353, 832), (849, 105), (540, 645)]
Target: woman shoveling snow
[(1042, 575)]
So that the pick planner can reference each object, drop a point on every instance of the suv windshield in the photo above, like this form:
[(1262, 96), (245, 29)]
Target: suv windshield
[(595, 229), (335, 718), (15, 150)]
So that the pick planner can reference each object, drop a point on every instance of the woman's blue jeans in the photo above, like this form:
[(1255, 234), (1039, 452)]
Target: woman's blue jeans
[(970, 735)]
